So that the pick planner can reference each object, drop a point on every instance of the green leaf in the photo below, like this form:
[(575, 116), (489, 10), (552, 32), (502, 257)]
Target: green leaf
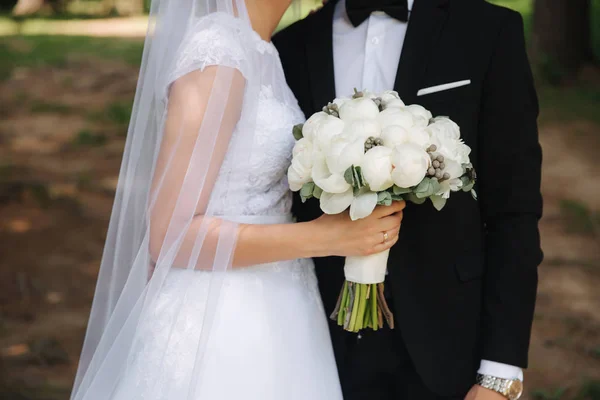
[(353, 175), (384, 199), (427, 188), (399, 190), (306, 192), (468, 187), (474, 194), (349, 176), (438, 202), (297, 131), (397, 197), (317, 192), (414, 199), (358, 177)]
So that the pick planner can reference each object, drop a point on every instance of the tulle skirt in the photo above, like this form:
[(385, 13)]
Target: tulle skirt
[(268, 339)]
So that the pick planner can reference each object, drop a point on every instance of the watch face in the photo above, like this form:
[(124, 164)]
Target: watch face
[(515, 389)]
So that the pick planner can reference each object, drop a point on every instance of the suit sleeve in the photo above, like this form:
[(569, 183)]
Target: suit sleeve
[(509, 186)]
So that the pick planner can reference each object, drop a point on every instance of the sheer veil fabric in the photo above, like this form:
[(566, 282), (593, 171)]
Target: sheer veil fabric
[(189, 115)]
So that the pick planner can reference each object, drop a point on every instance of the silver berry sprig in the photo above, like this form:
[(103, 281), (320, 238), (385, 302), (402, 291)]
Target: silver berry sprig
[(332, 109), (372, 142), (436, 171)]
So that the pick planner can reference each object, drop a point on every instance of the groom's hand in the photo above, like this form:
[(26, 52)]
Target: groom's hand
[(480, 393)]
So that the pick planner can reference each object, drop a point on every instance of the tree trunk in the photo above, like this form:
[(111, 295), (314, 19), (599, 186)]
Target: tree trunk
[(562, 35)]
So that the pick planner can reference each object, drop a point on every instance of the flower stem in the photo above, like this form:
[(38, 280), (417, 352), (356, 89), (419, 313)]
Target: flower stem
[(374, 321), (355, 304)]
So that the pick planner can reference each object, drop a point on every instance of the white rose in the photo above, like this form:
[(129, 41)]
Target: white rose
[(310, 126), (377, 168), (410, 163), (326, 129), (361, 206), (361, 108), (344, 152), (300, 172), (420, 114), (396, 116), (362, 129), (325, 179)]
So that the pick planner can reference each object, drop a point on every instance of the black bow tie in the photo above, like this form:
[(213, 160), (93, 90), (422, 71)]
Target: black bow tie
[(359, 10)]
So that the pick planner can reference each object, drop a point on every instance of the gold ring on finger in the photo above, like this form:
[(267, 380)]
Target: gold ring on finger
[(385, 237)]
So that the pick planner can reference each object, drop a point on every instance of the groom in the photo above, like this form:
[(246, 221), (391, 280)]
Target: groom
[(462, 281)]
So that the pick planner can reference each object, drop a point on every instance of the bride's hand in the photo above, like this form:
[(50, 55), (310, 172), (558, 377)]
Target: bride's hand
[(340, 236)]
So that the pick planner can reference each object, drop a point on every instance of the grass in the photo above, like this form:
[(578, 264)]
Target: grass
[(88, 138), (46, 107), (579, 218), (557, 394), (55, 51)]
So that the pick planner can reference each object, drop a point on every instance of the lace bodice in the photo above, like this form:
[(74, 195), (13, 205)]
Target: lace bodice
[(261, 188)]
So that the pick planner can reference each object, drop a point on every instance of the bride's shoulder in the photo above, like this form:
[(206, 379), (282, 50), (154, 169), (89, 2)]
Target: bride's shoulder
[(215, 39)]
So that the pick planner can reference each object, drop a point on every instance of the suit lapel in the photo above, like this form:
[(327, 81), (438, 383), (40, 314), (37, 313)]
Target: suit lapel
[(427, 19), (319, 50)]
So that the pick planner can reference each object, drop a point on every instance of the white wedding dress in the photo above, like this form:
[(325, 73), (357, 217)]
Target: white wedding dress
[(269, 339)]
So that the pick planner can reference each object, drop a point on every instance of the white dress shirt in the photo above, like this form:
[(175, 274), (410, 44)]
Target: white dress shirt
[(367, 57)]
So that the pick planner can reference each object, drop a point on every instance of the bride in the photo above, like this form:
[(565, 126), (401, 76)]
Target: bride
[(206, 288)]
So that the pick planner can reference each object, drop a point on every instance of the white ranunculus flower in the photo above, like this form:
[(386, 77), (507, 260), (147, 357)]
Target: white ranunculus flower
[(389, 95), (455, 170), (311, 125), (377, 168), (410, 164), (363, 205), (361, 108), (444, 126), (362, 129), (335, 203), (300, 172), (340, 101), (445, 135), (325, 179), (344, 152), (369, 95), (396, 116), (420, 137), (396, 103), (421, 115), (326, 129), (394, 135)]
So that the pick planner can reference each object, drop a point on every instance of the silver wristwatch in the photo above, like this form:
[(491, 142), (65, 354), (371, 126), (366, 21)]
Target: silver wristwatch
[(512, 389)]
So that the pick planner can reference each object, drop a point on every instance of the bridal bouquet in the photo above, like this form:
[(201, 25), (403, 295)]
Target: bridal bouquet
[(371, 150)]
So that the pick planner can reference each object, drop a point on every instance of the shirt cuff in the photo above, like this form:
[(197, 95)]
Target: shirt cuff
[(500, 370)]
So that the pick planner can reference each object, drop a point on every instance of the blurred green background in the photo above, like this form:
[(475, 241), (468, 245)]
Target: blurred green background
[(68, 71)]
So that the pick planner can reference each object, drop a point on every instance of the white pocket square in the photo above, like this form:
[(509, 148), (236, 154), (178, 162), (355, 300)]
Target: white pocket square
[(445, 86)]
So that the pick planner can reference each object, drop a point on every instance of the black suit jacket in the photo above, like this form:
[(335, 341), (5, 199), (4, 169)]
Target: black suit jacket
[(464, 279)]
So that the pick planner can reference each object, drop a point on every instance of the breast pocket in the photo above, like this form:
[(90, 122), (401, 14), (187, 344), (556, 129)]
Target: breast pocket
[(454, 91)]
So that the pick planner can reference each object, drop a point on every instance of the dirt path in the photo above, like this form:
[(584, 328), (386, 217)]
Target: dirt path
[(58, 166), (105, 27)]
